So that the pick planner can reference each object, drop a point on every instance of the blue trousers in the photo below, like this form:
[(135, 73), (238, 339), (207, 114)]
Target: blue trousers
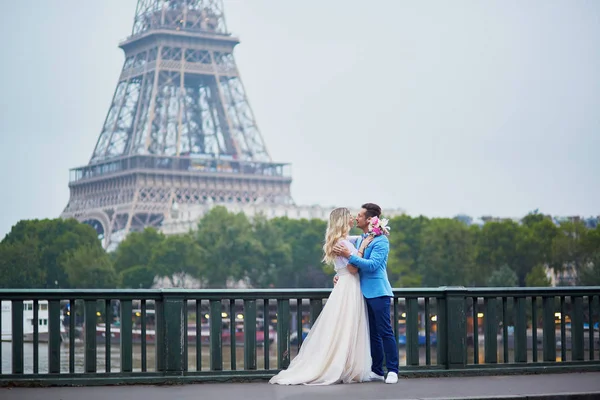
[(382, 337)]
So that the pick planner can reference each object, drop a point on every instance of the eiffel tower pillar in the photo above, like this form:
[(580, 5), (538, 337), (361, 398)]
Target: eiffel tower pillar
[(179, 129)]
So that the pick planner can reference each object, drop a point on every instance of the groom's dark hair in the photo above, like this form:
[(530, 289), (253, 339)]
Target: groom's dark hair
[(373, 210)]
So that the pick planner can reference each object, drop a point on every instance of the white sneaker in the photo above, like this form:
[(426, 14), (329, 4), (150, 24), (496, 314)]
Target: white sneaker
[(373, 377), (392, 377)]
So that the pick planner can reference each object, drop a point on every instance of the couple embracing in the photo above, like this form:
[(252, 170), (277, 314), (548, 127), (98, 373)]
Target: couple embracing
[(348, 341)]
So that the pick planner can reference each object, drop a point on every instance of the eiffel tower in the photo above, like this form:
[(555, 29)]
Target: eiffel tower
[(179, 129)]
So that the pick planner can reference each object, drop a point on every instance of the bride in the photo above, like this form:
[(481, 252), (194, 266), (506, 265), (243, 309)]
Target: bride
[(337, 347)]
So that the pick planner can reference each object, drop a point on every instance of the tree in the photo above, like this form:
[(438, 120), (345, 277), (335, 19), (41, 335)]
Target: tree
[(572, 247), (20, 265), (589, 275), (305, 238), (503, 277), (447, 253), (401, 268), (537, 234), (412, 230), (89, 267), (275, 262), (496, 246), (136, 251), (137, 277), (54, 238), (231, 249), (533, 218), (177, 258), (521, 247), (537, 277)]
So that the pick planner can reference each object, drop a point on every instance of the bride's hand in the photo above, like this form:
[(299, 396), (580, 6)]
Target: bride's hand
[(341, 250), (352, 269)]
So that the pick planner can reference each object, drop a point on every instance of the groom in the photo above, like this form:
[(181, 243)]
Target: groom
[(377, 290)]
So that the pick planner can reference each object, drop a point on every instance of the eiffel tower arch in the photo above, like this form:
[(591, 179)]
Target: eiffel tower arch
[(179, 129)]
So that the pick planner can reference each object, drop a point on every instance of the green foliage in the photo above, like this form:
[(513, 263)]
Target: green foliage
[(589, 274), (447, 253), (50, 240), (402, 269), (137, 277), (231, 248), (405, 249), (19, 265), (178, 257), (89, 267), (275, 261), (537, 277), (305, 238), (287, 253), (136, 251), (503, 277), (573, 246)]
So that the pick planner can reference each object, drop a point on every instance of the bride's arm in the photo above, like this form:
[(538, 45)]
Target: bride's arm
[(351, 268)]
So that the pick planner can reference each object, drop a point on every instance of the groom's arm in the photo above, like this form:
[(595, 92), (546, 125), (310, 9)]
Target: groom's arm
[(376, 260)]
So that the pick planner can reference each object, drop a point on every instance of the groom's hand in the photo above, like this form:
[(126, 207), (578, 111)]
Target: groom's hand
[(364, 244), (335, 279), (342, 250)]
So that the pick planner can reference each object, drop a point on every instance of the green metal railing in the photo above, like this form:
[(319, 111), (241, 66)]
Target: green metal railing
[(144, 336)]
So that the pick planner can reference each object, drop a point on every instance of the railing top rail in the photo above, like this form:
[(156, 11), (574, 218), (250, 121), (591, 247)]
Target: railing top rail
[(534, 291), (215, 294)]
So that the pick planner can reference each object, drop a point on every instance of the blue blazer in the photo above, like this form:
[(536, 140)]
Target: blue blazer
[(372, 268)]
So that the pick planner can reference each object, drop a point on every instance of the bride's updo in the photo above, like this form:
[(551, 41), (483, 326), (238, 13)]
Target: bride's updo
[(337, 228)]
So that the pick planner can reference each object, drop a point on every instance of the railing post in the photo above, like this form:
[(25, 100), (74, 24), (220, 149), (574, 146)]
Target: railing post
[(216, 339), (412, 331), (316, 306), (54, 335), (249, 334), (159, 339), (283, 333), (549, 335), (90, 335), (491, 330), (452, 320), (17, 337), (126, 336), (175, 331), (576, 329), (521, 330)]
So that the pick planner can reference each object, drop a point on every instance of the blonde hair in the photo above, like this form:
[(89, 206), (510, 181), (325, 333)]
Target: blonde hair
[(337, 228)]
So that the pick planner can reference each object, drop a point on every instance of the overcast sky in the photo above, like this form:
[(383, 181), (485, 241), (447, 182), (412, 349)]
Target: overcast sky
[(437, 107)]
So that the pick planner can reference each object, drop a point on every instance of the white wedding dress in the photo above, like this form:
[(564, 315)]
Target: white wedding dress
[(337, 347)]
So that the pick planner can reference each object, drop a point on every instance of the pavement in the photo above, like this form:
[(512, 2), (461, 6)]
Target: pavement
[(579, 386)]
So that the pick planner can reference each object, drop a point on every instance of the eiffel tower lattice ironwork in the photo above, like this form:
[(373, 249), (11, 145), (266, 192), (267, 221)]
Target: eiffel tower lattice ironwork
[(179, 129)]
